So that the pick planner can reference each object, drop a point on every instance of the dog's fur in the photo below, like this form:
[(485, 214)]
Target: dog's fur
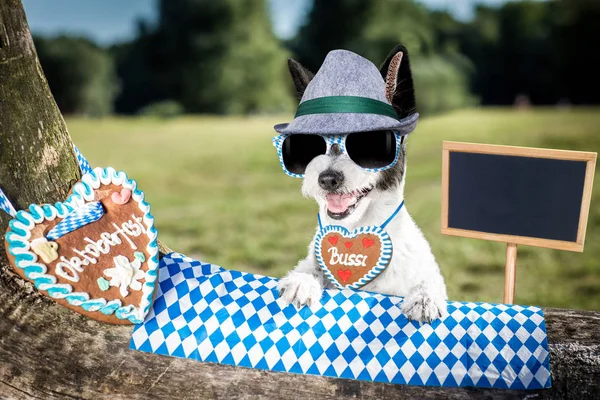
[(413, 271)]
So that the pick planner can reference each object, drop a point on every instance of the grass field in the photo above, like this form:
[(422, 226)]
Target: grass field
[(218, 193)]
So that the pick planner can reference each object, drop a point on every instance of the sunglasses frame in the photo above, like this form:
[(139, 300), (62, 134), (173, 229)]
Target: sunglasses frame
[(330, 140)]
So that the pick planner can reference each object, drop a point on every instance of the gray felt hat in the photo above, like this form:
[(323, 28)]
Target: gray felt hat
[(346, 95)]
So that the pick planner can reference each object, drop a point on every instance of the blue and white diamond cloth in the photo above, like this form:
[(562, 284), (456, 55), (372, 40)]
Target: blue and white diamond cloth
[(83, 163), (6, 205), (86, 214), (210, 314)]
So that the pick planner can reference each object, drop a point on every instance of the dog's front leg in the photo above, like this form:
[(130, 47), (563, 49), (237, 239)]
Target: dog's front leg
[(304, 284), (424, 303)]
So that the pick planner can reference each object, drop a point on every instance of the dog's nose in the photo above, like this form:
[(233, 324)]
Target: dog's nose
[(331, 180)]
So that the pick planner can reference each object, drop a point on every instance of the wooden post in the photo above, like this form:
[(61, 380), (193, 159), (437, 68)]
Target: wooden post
[(510, 274)]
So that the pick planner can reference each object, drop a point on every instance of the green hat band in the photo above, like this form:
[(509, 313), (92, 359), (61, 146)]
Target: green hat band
[(346, 104)]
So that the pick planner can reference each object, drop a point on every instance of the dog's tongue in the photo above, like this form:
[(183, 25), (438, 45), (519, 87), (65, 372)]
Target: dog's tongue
[(338, 203)]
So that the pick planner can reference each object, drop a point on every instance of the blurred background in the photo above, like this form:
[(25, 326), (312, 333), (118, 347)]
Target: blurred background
[(183, 94)]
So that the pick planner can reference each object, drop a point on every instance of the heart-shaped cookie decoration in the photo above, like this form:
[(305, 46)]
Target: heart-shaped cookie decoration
[(121, 197), (352, 259), (92, 254)]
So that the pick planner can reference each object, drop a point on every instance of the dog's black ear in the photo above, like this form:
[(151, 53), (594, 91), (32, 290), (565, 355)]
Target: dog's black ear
[(399, 88), (301, 76)]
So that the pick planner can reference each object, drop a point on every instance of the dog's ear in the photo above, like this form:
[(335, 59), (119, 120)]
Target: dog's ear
[(301, 76), (399, 88)]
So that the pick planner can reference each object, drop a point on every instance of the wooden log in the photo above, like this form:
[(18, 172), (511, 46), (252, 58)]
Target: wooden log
[(50, 352)]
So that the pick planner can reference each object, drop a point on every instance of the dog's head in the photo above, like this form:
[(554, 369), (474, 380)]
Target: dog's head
[(343, 189)]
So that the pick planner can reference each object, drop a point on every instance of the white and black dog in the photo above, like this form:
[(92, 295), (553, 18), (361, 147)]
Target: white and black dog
[(353, 195)]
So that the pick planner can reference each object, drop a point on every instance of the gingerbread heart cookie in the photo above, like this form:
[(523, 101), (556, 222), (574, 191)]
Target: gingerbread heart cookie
[(96, 253), (352, 259)]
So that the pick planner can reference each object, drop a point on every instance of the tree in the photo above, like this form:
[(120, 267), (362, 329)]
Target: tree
[(81, 75), (140, 66), (372, 28), (575, 31), (540, 49), (519, 57), (211, 56), (50, 352)]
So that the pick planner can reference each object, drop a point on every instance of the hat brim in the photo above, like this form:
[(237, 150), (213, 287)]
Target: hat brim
[(343, 123)]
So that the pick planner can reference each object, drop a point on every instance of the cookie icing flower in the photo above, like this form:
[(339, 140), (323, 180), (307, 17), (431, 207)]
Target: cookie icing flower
[(125, 275)]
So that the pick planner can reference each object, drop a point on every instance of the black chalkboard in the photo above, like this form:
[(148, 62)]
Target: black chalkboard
[(515, 195)]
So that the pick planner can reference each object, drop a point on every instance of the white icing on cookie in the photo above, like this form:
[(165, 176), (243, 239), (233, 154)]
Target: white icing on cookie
[(73, 266), (70, 269)]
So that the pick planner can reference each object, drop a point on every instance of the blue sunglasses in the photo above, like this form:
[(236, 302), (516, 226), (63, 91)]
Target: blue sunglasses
[(372, 151)]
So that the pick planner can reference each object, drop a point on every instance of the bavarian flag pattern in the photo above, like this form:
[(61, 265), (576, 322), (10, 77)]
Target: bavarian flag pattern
[(84, 165), (82, 216), (6, 205), (210, 314)]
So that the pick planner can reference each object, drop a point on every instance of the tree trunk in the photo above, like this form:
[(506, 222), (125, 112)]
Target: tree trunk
[(50, 352), (37, 163)]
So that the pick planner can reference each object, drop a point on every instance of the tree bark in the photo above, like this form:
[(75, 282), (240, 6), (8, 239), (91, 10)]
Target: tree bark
[(37, 162), (50, 352)]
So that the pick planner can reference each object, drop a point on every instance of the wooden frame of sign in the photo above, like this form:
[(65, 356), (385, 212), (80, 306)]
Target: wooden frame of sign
[(512, 240)]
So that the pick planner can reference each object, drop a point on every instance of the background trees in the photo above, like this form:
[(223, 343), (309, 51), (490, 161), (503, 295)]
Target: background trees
[(215, 57), (222, 57), (82, 75), (372, 29)]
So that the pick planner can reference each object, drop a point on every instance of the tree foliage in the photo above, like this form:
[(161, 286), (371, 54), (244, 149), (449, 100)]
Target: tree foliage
[(211, 56), (372, 29), (222, 57), (81, 75), (544, 50)]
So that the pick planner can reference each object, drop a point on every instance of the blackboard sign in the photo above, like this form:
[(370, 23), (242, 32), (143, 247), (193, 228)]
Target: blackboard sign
[(517, 195)]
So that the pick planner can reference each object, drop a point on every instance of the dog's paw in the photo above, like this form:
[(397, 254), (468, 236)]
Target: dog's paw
[(299, 289), (421, 307)]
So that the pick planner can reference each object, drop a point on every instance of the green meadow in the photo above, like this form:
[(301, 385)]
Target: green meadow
[(219, 194)]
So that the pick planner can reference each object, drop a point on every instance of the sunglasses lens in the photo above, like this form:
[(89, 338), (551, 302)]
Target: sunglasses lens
[(299, 150), (372, 149)]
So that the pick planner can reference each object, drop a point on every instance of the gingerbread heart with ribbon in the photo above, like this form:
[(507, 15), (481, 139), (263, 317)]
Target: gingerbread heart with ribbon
[(96, 253), (351, 259)]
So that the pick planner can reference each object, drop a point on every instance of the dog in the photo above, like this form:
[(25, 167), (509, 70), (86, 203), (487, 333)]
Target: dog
[(353, 196)]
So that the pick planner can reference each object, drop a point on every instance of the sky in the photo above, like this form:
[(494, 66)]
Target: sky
[(110, 21)]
